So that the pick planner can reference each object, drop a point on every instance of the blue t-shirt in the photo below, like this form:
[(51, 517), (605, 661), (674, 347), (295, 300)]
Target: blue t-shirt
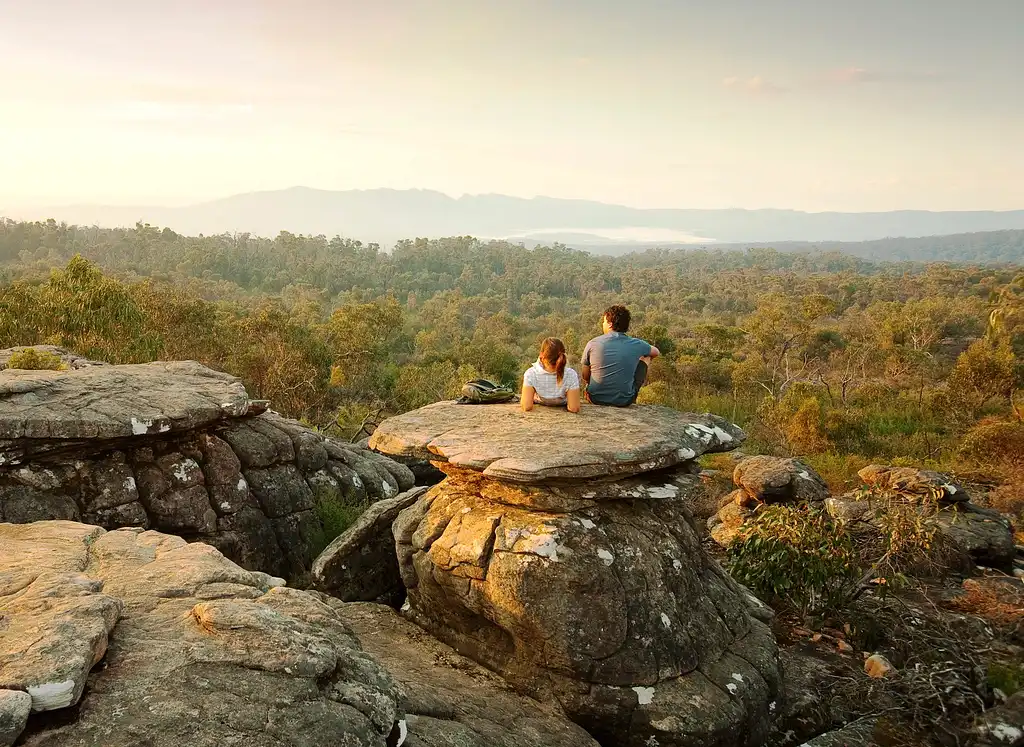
[(613, 359)]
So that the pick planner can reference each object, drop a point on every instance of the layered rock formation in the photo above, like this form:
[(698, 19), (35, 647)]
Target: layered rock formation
[(132, 637), (760, 480), (560, 553), (194, 649), (180, 448)]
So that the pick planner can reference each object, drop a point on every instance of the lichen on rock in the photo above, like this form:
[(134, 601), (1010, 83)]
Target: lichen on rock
[(194, 648), (179, 448), (569, 563)]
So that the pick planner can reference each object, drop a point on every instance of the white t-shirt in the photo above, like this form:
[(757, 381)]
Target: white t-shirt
[(545, 384)]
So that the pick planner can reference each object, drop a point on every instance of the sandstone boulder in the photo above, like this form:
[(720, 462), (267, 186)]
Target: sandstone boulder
[(761, 480), (505, 443), (913, 484), (979, 535), (769, 479), (568, 563), (179, 448), (859, 733), (194, 649), (68, 358), (1002, 726), (15, 707)]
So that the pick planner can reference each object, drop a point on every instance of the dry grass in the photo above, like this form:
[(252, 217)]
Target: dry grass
[(991, 600), (839, 471)]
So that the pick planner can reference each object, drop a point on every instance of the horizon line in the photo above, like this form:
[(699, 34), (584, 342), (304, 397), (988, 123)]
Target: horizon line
[(460, 196)]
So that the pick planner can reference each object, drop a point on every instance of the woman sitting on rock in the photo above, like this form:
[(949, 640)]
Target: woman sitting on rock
[(549, 382)]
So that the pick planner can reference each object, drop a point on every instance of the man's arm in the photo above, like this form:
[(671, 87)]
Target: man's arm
[(654, 352), (585, 364)]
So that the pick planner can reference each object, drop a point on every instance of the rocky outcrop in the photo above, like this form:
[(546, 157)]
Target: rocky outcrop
[(67, 358), (767, 479), (1002, 726), (360, 565), (180, 448), (760, 480), (560, 553), (979, 535), (194, 649), (859, 733), (15, 707)]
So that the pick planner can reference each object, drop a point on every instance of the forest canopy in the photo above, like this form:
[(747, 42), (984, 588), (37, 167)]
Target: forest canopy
[(826, 355)]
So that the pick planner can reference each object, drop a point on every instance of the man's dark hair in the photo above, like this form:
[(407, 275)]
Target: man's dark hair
[(618, 317)]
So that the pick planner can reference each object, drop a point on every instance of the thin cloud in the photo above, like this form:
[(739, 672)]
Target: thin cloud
[(854, 75), (755, 85)]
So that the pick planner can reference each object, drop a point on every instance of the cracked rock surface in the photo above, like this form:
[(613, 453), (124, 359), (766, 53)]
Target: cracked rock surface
[(592, 593), (505, 443), (449, 701), (179, 448), (135, 637)]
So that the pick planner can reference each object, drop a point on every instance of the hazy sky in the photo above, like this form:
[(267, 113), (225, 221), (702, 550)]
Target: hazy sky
[(807, 104)]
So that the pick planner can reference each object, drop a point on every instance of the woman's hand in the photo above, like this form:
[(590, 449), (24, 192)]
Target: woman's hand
[(526, 398), (572, 400)]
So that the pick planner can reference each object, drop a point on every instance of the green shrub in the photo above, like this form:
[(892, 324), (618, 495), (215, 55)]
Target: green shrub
[(796, 558), (1009, 678), (335, 517), (30, 359)]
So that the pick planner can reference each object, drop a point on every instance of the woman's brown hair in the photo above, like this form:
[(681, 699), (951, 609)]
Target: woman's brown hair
[(552, 352)]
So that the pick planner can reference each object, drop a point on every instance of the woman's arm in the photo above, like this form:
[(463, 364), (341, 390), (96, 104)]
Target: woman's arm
[(526, 398), (572, 400)]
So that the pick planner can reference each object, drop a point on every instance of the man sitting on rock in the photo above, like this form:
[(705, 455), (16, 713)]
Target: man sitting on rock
[(615, 364)]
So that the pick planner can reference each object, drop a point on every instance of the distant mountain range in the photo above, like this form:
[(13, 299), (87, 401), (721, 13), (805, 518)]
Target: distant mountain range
[(387, 215)]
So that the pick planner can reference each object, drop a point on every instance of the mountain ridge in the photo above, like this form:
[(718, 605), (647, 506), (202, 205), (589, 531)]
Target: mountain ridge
[(387, 215)]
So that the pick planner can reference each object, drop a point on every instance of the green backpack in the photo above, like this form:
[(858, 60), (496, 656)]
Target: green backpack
[(484, 392)]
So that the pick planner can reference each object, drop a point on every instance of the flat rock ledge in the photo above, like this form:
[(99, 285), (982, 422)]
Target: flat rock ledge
[(134, 637), (179, 448), (547, 444), (49, 411), (562, 555)]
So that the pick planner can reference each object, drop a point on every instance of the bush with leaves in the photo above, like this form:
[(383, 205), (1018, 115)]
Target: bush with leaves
[(796, 558), (907, 542), (30, 359)]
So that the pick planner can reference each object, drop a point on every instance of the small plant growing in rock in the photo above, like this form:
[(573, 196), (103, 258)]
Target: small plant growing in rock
[(30, 359), (797, 558), (335, 516)]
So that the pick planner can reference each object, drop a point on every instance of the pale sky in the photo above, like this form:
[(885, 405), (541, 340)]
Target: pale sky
[(804, 104)]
